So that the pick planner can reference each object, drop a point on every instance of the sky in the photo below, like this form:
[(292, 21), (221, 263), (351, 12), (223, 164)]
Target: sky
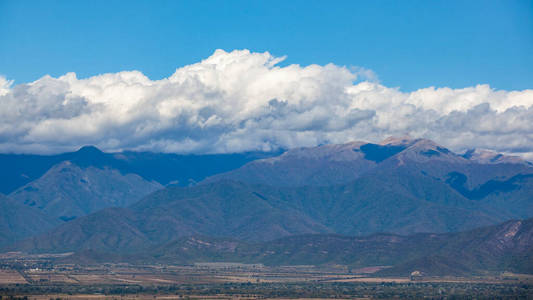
[(226, 76), (408, 44)]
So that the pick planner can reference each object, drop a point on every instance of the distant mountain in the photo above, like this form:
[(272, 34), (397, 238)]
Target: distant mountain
[(502, 184), (406, 186), (432, 159), (68, 191), (318, 166), (18, 221), (224, 208), (338, 164), (111, 230), (504, 247), (259, 213), (401, 201), (20, 169)]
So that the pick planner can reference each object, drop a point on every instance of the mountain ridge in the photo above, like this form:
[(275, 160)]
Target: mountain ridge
[(333, 164), (21, 169), (68, 191), (493, 249), (413, 186)]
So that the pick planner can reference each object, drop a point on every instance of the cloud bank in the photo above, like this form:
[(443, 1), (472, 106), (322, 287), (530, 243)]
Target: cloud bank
[(240, 101)]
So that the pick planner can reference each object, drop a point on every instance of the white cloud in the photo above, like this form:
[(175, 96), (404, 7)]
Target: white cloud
[(240, 101), (4, 85)]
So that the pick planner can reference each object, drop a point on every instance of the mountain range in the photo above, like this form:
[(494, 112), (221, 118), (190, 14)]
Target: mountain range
[(74, 184), (507, 246), (410, 189), (165, 168)]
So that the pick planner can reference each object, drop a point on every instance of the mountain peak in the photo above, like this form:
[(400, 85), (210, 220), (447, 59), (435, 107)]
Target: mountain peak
[(89, 149), (397, 141), (425, 144), (422, 150), (89, 156)]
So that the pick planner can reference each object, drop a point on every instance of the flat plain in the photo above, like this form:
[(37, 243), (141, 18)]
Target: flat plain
[(35, 277)]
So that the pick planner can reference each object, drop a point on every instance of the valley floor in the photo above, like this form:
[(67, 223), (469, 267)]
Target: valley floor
[(34, 278)]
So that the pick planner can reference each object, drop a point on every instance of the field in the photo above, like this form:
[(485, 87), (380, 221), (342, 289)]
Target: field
[(120, 274), (10, 277), (204, 274), (40, 278)]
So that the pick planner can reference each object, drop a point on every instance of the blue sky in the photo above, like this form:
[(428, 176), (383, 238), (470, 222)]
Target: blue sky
[(408, 44), (457, 72)]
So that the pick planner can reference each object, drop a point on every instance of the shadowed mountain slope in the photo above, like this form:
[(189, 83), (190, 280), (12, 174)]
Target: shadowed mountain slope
[(256, 213), (224, 208), (401, 202), (507, 246), (20, 169), (67, 191), (18, 221), (111, 229), (504, 247)]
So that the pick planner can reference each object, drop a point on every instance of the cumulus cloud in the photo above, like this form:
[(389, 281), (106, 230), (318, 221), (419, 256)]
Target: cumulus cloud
[(240, 101)]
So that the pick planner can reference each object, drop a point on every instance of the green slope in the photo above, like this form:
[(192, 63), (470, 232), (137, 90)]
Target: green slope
[(18, 221), (504, 247)]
